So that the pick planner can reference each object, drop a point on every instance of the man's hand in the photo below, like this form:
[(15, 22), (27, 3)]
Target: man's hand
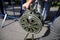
[(27, 4)]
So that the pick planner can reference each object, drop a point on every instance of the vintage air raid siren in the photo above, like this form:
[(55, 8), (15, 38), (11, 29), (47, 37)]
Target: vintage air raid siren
[(32, 25)]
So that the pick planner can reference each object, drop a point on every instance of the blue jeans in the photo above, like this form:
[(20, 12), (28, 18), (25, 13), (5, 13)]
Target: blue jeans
[(21, 10)]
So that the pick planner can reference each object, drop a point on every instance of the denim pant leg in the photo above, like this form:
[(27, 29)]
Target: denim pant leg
[(21, 10)]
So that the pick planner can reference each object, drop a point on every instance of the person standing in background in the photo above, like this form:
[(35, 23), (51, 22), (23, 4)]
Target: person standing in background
[(1, 7)]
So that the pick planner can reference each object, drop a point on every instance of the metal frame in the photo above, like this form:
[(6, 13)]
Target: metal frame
[(6, 15)]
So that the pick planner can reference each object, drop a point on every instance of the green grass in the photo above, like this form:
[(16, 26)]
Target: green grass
[(58, 3), (55, 4)]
